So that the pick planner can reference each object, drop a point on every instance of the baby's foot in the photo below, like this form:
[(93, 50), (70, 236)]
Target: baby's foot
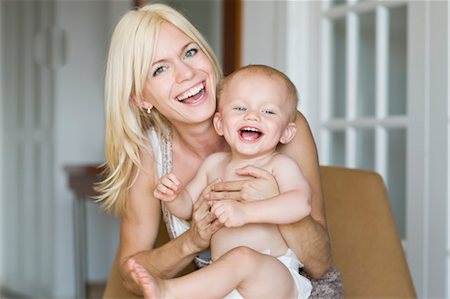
[(149, 285)]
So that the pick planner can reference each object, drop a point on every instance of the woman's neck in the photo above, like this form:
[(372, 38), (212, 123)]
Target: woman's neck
[(200, 140)]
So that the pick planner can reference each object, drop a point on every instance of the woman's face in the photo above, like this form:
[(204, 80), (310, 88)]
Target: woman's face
[(180, 83)]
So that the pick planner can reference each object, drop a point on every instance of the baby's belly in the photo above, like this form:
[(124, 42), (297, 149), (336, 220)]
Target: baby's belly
[(264, 238)]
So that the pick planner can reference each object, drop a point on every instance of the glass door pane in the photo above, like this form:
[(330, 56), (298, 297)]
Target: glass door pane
[(337, 148), (365, 100), (338, 102), (396, 175), (397, 61), (338, 2), (365, 148)]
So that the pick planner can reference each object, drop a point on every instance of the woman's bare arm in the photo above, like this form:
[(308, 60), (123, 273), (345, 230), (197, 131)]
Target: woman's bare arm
[(308, 237), (140, 226)]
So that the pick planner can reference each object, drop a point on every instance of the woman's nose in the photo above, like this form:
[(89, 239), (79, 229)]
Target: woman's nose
[(184, 71)]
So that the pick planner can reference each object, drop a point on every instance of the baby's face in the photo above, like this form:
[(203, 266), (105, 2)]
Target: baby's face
[(254, 112)]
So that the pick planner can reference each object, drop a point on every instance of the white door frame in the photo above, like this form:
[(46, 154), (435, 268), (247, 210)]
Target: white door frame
[(2, 196), (427, 159)]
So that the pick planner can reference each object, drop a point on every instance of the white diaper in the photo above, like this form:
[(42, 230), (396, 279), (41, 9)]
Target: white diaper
[(291, 261)]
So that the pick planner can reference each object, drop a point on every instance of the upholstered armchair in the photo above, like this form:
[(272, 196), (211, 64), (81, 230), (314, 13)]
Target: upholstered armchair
[(366, 246)]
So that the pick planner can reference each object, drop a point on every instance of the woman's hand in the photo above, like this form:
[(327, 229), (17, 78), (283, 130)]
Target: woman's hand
[(204, 223), (259, 184)]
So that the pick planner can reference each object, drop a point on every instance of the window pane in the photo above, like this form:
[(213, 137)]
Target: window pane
[(365, 148), (365, 101), (338, 2), (337, 104), (396, 175), (337, 148), (397, 61)]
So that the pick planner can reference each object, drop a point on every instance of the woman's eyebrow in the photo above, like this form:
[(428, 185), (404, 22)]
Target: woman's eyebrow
[(182, 49), (188, 45)]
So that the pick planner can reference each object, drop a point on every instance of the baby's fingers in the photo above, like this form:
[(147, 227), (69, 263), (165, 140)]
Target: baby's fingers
[(162, 189), (171, 182), (163, 193)]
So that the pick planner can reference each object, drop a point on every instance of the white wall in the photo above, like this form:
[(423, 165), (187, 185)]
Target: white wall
[(263, 36), (448, 154), (302, 56), (206, 16), (79, 134)]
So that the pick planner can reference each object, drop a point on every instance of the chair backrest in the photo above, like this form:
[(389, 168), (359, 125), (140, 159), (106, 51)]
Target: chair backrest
[(365, 243)]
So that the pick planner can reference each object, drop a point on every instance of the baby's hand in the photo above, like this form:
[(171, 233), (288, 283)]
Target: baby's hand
[(229, 212), (167, 188)]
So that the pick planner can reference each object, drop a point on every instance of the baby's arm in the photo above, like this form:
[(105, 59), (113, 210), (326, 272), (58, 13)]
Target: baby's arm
[(180, 201), (294, 201), (292, 204)]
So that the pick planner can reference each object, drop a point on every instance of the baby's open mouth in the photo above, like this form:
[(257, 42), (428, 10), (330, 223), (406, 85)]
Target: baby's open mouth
[(250, 133)]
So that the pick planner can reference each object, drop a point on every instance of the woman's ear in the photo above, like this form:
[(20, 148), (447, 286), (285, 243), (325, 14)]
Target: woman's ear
[(218, 123), (143, 103), (147, 106), (288, 133)]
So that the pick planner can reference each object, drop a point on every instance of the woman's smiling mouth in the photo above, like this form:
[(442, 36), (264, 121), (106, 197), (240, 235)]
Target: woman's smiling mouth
[(192, 95)]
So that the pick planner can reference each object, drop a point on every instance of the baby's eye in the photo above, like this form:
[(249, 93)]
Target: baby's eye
[(191, 52), (240, 108), (159, 70), (266, 111)]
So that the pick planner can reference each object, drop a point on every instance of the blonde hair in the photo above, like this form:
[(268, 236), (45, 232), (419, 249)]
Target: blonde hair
[(268, 71), (130, 54)]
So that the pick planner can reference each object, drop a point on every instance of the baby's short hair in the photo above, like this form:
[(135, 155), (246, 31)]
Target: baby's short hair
[(268, 71)]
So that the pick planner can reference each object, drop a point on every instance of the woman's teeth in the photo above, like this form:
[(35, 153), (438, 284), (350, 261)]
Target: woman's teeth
[(191, 92)]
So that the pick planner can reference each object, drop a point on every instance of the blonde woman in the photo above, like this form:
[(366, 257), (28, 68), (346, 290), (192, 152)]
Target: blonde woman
[(160, 101)]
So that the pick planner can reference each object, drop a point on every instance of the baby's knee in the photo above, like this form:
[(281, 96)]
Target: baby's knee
[(245, 256)]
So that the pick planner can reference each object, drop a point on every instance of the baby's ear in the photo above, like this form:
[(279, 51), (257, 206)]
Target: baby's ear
[(218, 123), (288, 133)]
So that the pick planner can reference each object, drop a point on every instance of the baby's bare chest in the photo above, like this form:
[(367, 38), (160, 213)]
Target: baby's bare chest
[(230, 172)]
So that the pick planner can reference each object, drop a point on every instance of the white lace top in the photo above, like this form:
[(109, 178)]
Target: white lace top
[(162, 148)]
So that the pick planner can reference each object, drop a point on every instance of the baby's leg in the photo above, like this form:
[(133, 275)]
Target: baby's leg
[(268, 277), (150, 286), (252, 273)]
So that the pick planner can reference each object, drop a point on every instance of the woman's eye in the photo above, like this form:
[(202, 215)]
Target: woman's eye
[(159, 70), (240, 108), (191, 52)]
